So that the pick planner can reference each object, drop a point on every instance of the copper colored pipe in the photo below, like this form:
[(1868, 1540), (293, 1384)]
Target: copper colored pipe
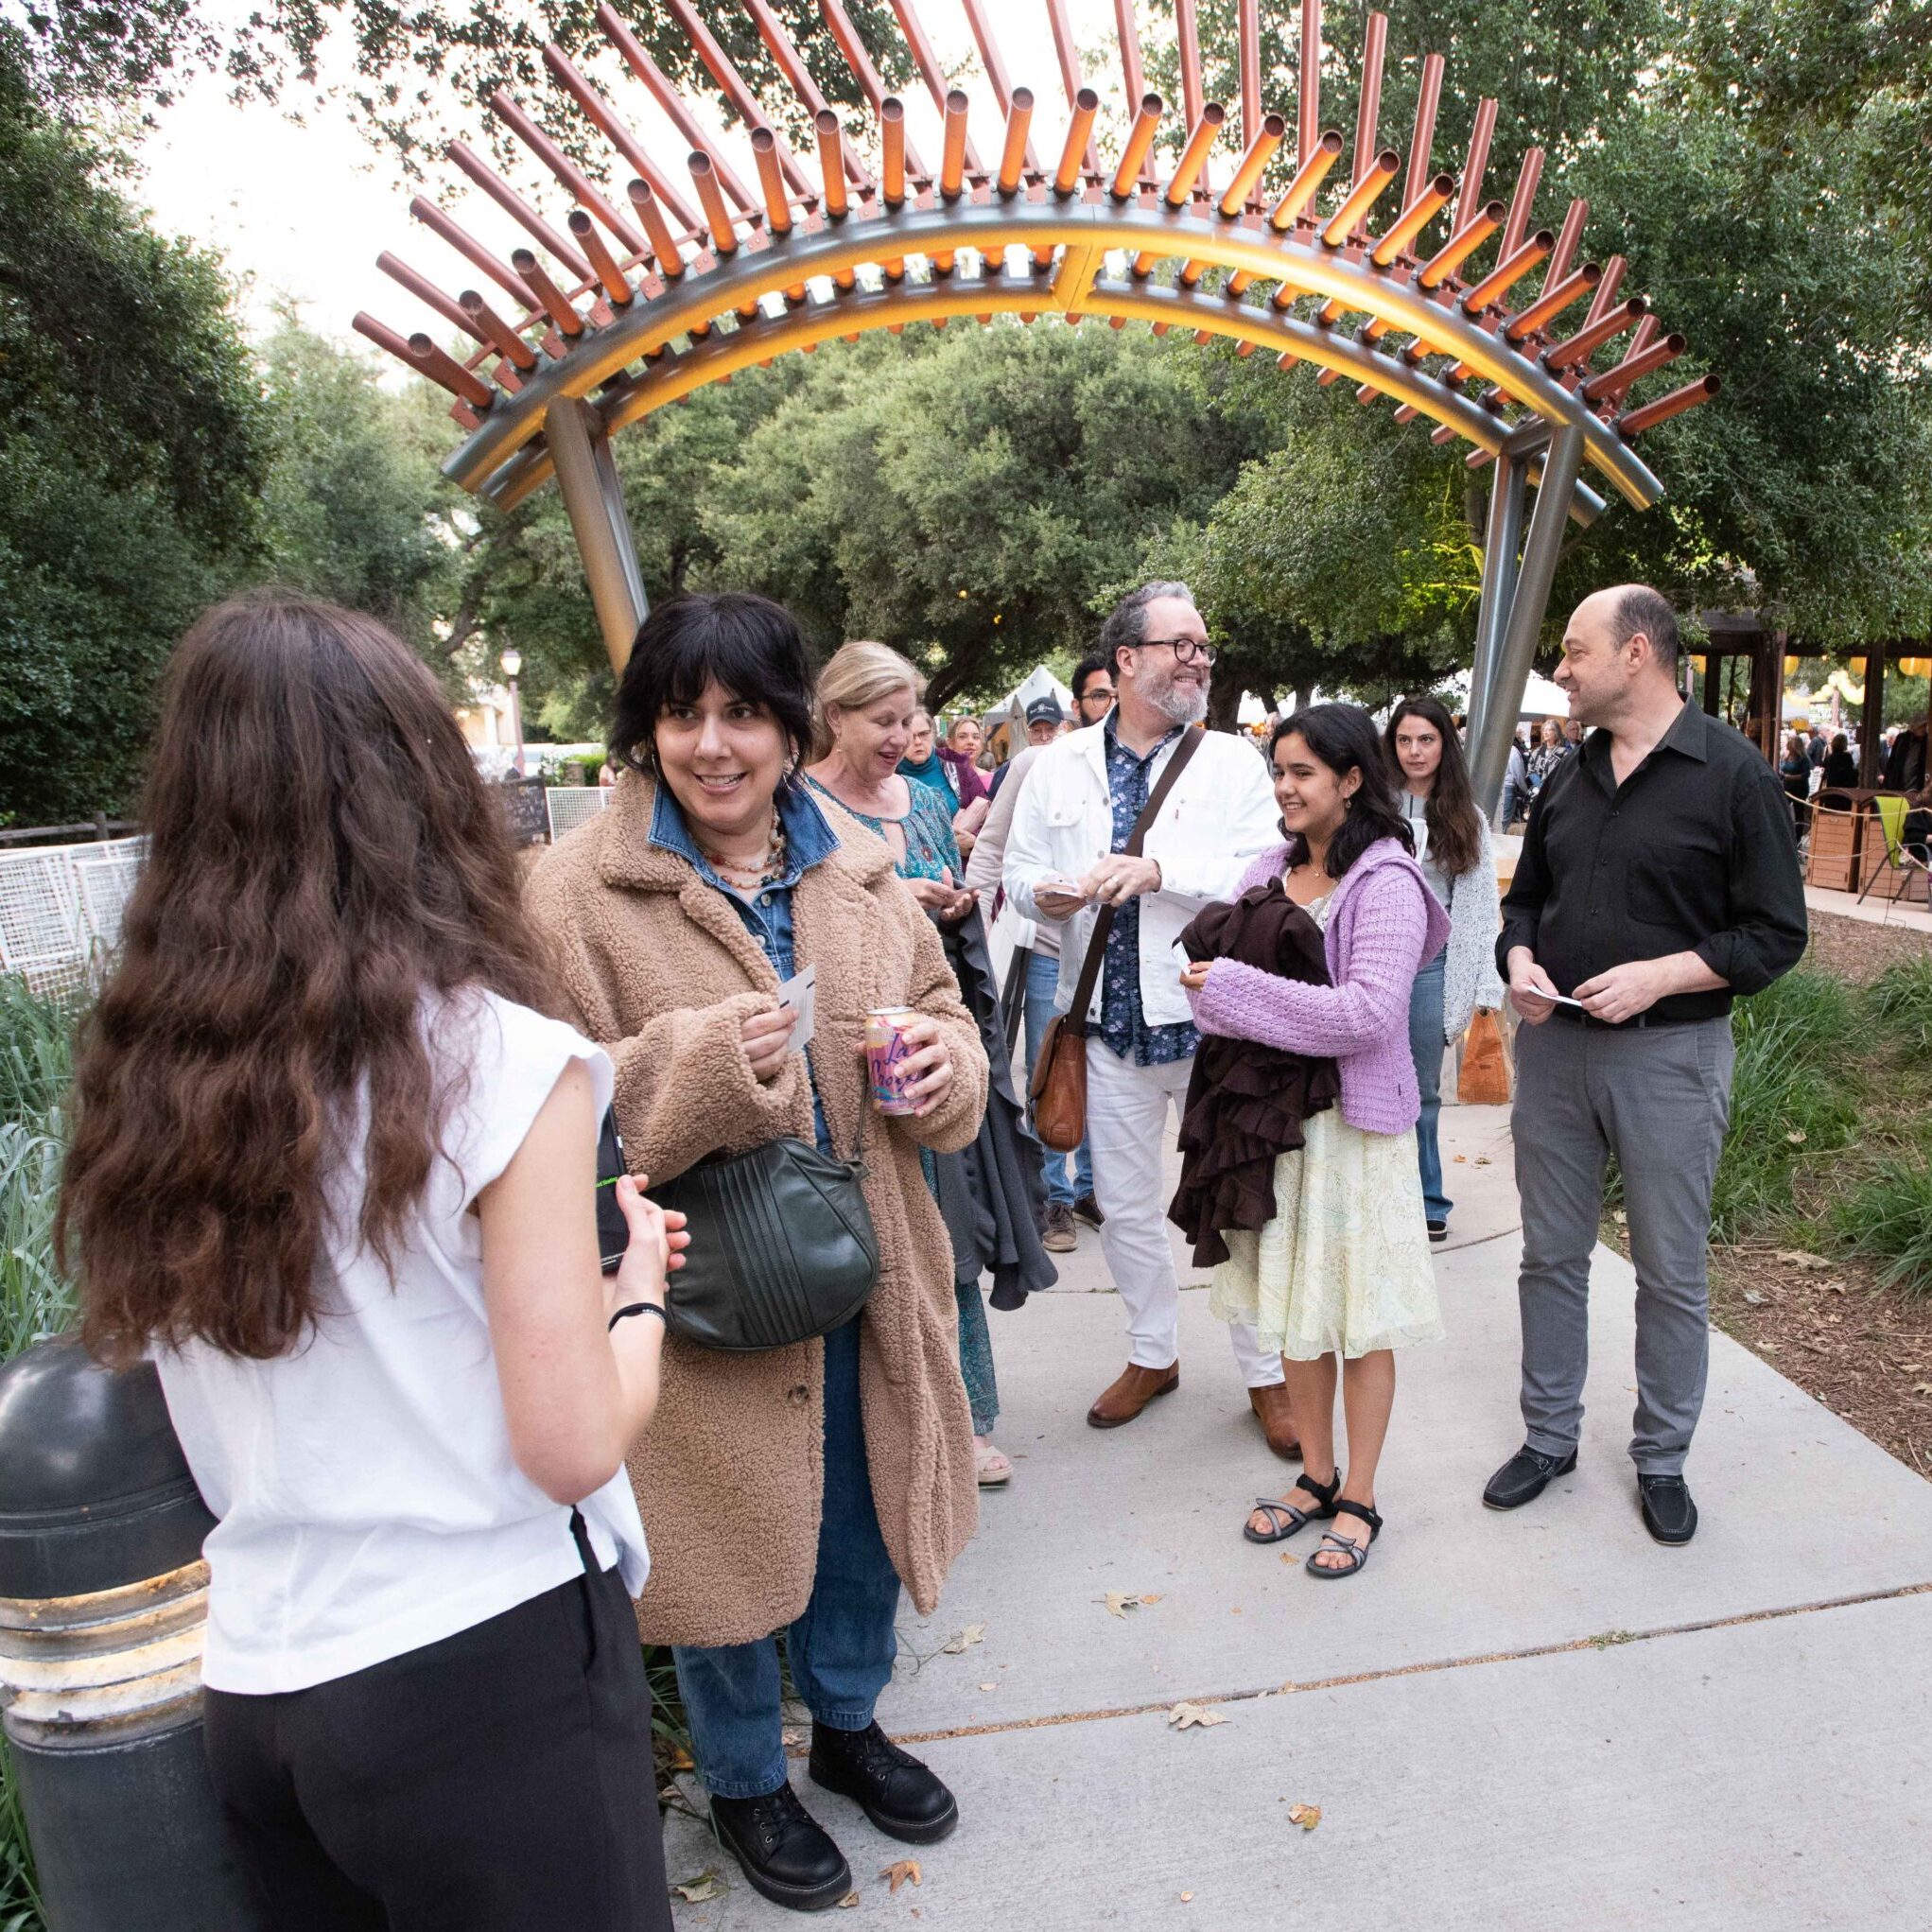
[(1249, 31), (771, 182), (731, 83), (1423, 209), (1444, 433), (438, 365), (1286, 359), (1139, 139), (621, 137), (671, 261), (1188, 37), (1520, 202), (1018, 152), (1132, 73), (1374, 43), (1508, 271), (1636, 420), (1477, 165), (1633, 368), (1269, 135), (1606, 289), (1079, 138), (717, 215), (1594, 334), (569, 176), (1195, 155), (1361, 198), (1568, 237), (952, 161), (512, 204), (1004, 91), (929, 70), (1407, 413), (1329, 377), (433, 218), (892, 151), (1320, 156), (1428, 96), (1308, 81), (1463, 243), (1647, 334), (1286, 295), (853, 48), (647, 70), (1552, 303), (505, 339), (616, 288), (555, 302), (386, 337), (427, 292), (831, 161)]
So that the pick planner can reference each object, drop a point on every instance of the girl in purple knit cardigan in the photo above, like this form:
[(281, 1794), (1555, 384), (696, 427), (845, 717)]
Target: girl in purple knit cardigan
[(1342, 1274)]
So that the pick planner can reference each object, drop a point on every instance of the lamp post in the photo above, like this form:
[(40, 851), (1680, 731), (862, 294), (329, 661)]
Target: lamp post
[(512, 662)]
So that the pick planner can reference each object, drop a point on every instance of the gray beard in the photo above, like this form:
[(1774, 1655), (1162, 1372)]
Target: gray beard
[(1180, 704)]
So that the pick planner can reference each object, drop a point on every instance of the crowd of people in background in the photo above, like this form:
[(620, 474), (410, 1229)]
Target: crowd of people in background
[(351, 1097)]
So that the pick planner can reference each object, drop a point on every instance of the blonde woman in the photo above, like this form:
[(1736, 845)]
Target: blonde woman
[(869, 706)]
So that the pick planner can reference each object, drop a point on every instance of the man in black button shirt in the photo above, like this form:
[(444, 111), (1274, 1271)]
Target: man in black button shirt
[(1658, 878)]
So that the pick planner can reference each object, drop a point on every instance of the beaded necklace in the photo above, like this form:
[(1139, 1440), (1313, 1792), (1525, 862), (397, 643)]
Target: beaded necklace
[(756, 874)]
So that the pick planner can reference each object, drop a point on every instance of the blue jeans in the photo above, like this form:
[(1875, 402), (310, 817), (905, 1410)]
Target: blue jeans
[(842, 1647), (1426, 1044), (1042, 980)]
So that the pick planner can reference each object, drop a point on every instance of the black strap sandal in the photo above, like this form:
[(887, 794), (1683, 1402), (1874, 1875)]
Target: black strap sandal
[(1356, 1553), (1295, 1518)]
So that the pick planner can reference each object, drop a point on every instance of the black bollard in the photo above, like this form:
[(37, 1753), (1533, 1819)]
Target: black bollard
[(103, 1601)]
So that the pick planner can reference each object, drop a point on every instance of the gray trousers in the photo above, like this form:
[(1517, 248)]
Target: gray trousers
[(1658, 1098)]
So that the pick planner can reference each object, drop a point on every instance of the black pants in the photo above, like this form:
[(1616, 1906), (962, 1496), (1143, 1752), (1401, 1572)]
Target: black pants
[(498, 1781)]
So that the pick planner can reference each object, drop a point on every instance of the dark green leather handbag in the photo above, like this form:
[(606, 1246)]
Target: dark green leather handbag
[(782, 1244)]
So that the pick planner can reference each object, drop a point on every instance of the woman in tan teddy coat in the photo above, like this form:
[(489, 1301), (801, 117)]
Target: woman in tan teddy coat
[(793, 1489)]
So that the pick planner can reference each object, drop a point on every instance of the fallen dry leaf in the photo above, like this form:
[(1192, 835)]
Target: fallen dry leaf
[(681, 1760), (850, 1900), (1289, 1556), (1796, 1137), (1150, 1596), (1187, 1897), (694, 1892), (1797, 1257), (1306, 1816), (1622, 1219), (905, 1868), (1483, 1160), (1118, 1602), (1922, 1388), (989, 1687), (973, 1633), (1751, 1295), (1184, 1715)]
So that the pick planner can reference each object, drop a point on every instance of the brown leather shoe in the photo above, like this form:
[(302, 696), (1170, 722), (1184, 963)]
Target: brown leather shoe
[(1271, 1408), (1123, 1399)]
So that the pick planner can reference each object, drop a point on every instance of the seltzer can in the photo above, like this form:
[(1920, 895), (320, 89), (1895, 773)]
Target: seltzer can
[(886, 1054)]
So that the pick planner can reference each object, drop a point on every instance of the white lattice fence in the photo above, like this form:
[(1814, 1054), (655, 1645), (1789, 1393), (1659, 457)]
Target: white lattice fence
[(60, 909), (571, 806)]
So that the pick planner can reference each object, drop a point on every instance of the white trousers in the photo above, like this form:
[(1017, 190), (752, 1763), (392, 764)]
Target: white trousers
[(1127, 1130)]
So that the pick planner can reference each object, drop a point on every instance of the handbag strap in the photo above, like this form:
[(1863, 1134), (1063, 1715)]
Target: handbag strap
[(1103, 924)]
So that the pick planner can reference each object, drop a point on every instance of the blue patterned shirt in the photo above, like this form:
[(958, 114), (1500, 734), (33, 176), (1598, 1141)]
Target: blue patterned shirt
[(1124, 1027)]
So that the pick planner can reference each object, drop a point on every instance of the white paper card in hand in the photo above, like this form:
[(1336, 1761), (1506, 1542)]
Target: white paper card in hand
[(800, 994)]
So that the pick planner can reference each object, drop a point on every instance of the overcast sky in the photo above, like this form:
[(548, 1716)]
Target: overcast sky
[(302, 211)]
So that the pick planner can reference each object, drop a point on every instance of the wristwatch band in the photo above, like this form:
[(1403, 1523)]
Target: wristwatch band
[(639, 1308)]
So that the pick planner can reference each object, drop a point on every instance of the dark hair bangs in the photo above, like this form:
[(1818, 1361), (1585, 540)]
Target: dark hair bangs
[(1345, 738), (746, 644)]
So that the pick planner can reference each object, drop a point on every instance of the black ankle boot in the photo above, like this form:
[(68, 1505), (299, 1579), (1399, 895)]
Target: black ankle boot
[(897, 1793), (782, 1850)]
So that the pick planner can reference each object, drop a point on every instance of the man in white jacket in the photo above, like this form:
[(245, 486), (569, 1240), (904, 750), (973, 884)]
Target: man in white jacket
[(1064, 858)]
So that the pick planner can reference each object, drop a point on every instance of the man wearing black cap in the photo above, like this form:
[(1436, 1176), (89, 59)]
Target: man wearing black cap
[(1045, 721)]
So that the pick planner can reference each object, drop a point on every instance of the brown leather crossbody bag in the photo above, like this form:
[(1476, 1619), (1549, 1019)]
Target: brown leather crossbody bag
[(1057, 1099)]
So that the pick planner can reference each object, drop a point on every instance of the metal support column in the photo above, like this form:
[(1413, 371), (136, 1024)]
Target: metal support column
[(1501, 542), (1516, 652), (594, 498), (1871, 727)]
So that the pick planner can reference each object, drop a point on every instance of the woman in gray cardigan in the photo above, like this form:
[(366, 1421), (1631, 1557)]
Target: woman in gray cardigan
[(1453, 846)]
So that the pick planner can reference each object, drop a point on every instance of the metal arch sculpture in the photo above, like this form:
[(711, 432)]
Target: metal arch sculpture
[(642, 306)]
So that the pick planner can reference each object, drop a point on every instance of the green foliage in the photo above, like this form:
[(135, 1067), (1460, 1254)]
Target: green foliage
[(1791, 1078), (1887, 1217), (1901, 1003)]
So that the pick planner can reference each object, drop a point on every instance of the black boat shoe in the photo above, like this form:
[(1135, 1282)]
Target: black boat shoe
[(1669, 1514), (897, 1793), (785, 1854), (1525, 1476)]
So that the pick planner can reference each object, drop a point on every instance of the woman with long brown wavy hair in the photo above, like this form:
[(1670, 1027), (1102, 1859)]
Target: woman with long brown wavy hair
[(335, 1172), (1453, 846)]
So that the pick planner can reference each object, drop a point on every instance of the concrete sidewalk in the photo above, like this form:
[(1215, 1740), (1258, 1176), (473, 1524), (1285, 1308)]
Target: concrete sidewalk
[(1507, 1721)]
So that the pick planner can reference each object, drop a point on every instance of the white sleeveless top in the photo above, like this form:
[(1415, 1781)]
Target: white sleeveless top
[(368, 1498)]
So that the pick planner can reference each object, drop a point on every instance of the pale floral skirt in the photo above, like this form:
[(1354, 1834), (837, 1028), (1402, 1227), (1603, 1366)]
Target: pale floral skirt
[(1344, 1266)]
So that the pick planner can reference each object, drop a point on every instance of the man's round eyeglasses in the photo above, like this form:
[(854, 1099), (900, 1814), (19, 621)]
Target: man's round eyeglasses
[(1186, 649)]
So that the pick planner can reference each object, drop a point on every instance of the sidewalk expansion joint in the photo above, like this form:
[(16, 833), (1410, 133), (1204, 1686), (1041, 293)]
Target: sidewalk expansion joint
[(1608, 1640)]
